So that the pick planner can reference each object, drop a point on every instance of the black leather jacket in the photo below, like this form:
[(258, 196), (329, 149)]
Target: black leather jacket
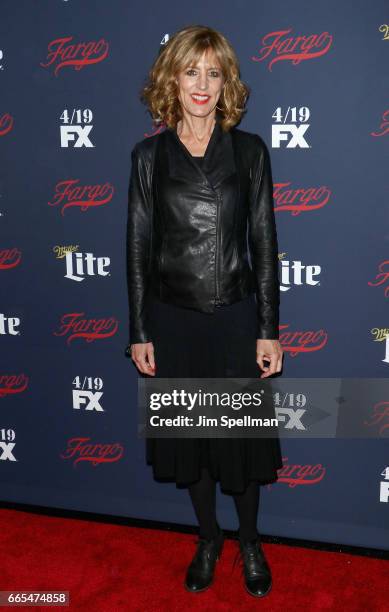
[(199, 237)]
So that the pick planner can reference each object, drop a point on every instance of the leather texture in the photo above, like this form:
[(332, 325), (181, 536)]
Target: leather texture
[(255, 568), (201, 571), (202, 236)]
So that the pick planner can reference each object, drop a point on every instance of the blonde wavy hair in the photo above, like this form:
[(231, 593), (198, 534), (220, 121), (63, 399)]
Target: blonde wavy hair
[(184, 48)]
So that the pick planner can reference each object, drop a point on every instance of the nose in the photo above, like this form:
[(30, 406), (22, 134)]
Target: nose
[(203, 80)]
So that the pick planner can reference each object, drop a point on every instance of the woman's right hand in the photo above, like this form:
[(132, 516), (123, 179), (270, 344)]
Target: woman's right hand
[(142, 355)]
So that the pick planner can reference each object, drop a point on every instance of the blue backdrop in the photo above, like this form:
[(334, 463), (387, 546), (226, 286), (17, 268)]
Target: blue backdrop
[(69, 116)]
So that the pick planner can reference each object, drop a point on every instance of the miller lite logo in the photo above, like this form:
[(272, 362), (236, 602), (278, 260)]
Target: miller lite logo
[(9, 325), (296, 273), (80, 265)]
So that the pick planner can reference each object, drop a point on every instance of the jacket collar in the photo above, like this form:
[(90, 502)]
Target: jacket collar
[(218, 163)]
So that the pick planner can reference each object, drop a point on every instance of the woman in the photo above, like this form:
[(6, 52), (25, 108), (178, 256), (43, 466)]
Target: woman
[(198, 308)]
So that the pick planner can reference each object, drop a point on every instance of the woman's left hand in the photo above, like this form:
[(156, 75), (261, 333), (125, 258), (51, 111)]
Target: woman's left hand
[(271, 350)]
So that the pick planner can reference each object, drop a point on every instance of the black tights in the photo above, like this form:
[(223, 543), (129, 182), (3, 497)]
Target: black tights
[(203, 496)]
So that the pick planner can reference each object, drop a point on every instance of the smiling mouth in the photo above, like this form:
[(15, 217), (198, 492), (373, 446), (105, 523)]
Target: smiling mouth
[(200, 99)]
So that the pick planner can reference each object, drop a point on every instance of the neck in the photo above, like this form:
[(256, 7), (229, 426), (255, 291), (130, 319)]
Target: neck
[(197, 128)]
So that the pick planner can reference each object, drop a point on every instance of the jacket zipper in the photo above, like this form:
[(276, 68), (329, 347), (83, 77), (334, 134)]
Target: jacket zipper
[(217, 298)]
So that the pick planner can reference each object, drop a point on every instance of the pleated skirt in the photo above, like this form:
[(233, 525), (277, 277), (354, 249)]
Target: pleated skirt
[(193, 344)]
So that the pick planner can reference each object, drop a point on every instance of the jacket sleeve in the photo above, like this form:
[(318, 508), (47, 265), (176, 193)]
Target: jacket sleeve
[(138, 251), (263, 245)]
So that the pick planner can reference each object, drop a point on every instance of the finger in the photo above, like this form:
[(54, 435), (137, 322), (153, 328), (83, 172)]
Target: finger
[(265, 374), (272, 368), (261, 365), (151, 357), (144, 365), (260, 362), (261, 358), (274, 362), (144, 368)]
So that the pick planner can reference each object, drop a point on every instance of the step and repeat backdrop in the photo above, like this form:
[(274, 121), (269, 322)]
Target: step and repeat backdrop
[(70, 114)]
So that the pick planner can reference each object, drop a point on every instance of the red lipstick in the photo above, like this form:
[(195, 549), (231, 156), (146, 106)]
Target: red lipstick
[(204, 101)]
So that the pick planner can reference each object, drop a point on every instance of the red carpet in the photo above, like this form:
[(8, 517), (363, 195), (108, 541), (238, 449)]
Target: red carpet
[(114, 568)]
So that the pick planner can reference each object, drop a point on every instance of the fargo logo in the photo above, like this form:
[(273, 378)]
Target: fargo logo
[(11, 384), (74, 325), (278, 46), (10, 258), (70, 193), (295, 475), (299, 200), (297, 342), (81, 449), (382, 277), (6, 124), (383, 128), (296, 273), (9, 325), (61, 53), (87, 393), (80, 265), (379, 417)]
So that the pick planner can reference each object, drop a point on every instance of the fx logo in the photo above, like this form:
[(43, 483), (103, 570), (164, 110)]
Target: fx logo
[(384, 492), (384, 486), (89, 399), (69, 133), (6, 448), (291, 417), (292, 134)]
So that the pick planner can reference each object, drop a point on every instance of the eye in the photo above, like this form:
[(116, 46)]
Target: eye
[(213, 73)]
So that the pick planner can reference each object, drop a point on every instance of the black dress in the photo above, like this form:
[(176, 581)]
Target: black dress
[(193, 344)]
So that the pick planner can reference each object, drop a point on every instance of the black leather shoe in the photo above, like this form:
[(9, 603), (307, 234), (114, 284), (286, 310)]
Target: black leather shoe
[(256, 569), (201, 570)]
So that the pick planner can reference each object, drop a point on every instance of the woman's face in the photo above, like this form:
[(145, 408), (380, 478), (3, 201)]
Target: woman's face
[(200, 86)]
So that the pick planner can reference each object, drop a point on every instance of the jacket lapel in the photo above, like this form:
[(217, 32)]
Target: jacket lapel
[(218, 164)]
